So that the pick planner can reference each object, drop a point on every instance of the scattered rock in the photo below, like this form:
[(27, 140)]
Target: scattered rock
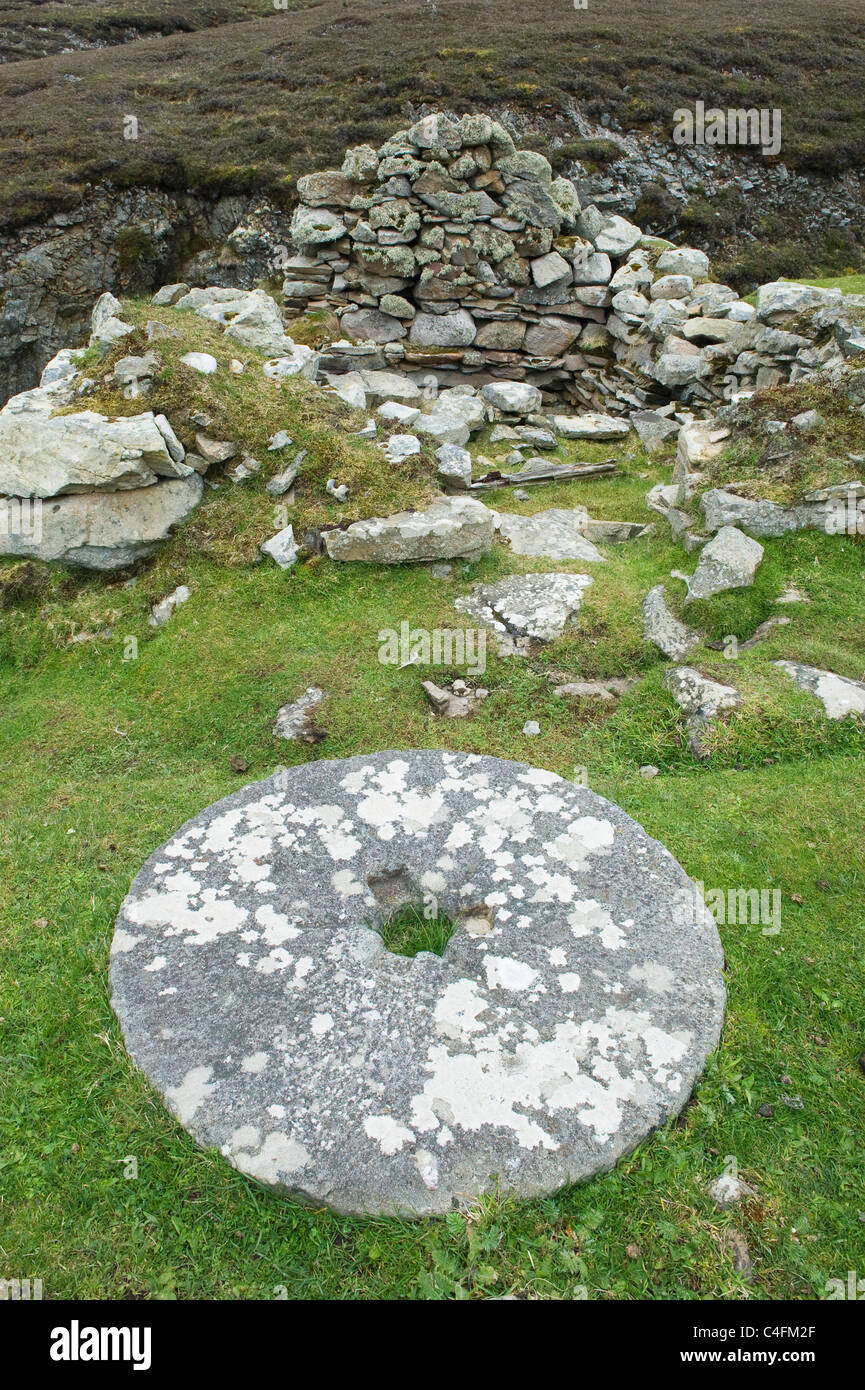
[(701, 700), (729, 561), (202, 362), (839, 695), (296, 721), (165, 609), (526, 609), (670, 636), (458, 702), (531, 728), (556, 534), (649, 771), (281, 548), (727, 1191)]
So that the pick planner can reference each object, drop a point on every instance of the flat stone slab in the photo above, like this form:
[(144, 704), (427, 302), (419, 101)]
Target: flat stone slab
[(570, 1015), (556, 534), (526, 608), (840, 696)]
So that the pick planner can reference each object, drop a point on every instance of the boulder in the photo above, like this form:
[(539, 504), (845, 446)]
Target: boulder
[(729, 561), (44, 455), (453, 527), (100, 530)]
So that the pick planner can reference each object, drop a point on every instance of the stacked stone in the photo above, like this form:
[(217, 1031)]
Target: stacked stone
[(449, 252)]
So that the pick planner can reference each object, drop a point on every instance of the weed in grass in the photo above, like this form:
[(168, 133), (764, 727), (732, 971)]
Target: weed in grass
[(411, 929)]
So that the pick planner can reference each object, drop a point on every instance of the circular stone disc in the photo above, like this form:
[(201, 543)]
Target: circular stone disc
[(571, 1013)]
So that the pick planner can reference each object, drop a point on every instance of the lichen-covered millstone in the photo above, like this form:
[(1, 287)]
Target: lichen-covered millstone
[(571, 1013)]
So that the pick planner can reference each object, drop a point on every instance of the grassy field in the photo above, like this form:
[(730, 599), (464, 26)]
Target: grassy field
[(104, 757), (246, 102)]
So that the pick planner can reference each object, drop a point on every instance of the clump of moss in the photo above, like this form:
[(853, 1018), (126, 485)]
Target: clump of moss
[(596, 151), (133, 244)]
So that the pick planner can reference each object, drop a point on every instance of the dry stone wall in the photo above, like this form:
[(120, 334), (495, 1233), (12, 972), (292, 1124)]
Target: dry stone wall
[(448, 252)]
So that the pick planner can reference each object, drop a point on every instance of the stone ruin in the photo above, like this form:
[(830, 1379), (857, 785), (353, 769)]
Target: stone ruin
[(448, 253)]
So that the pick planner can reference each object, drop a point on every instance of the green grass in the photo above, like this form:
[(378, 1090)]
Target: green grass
[(409, 930), (105, 753)]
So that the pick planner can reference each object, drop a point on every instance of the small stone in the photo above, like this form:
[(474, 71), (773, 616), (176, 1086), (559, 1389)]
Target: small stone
[(200, 362), (726, 1191), (767, 1111), (649, 770), (280, 440), (162, 611), (239, 763), (340, 493), (531, 728), (281, 548)]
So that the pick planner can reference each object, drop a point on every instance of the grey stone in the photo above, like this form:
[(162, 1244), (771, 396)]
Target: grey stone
[(100, 530), (590, 426), (450, 528), (729, 561), (371, 325), (454, 465), (670, 636), (316, 227), (727, 1191), (550, 337), (839, 695), (654, 430), (570, 1016), (399, 412), (165, 609), (169, 294), (203, 362), (524, 609), (549, 269), (513, 397), (456, 329), (617, 237), (294, 721), (281, 548), (701, 700), (683, 260), (758, 518), (401, 447), (44, 455), (443, 426), (553, 535)]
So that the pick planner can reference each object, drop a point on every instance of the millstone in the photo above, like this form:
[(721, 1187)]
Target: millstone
[(571, 1013)]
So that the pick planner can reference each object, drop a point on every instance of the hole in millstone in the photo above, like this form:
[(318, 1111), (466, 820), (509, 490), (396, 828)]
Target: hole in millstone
[(413, 928)]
